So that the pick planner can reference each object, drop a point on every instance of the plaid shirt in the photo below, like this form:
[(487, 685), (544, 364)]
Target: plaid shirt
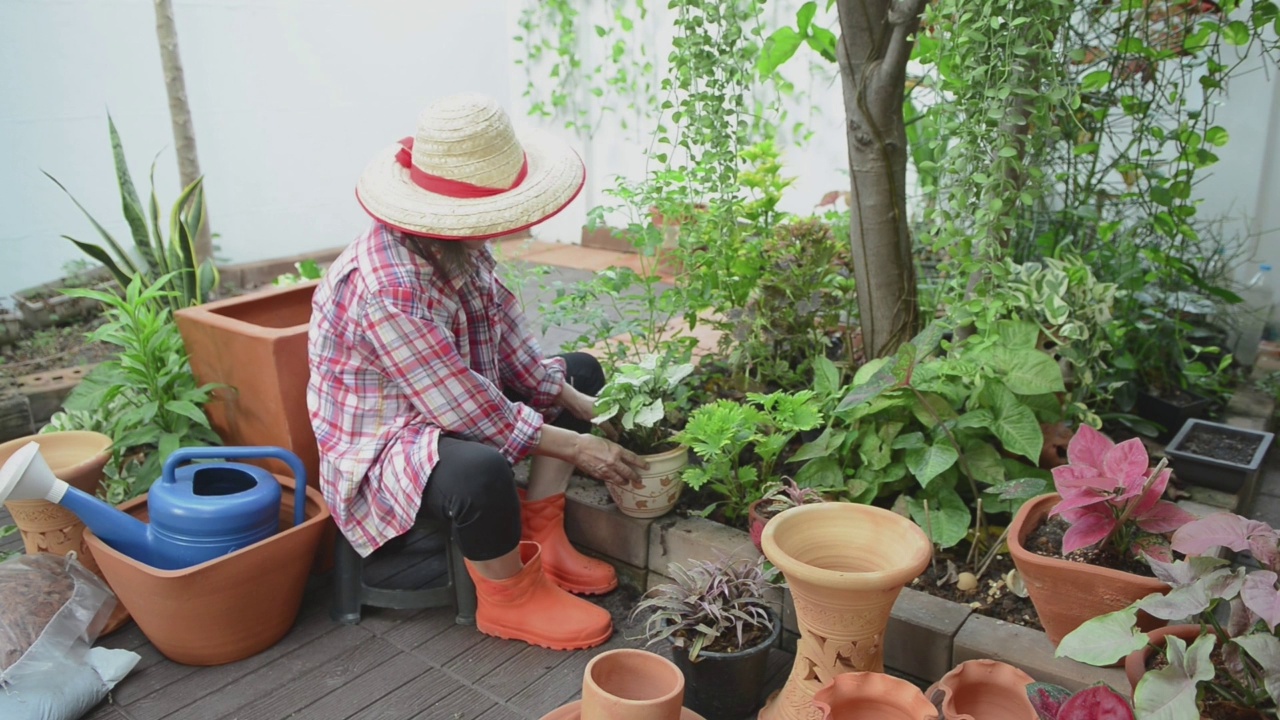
[(398, 355)]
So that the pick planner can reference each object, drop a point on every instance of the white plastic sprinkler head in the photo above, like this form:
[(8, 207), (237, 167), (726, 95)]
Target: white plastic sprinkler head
[(26, 476)]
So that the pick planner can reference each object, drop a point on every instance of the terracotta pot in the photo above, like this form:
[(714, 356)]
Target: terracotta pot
[(1066, 593), (628, 684), (845, 565), (76, 457), (983, 690), (228, 608), (1135, 664), (256, 345), (658, 489), (859, 695)]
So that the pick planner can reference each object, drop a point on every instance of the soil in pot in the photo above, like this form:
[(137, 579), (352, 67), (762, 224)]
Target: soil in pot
[(1046, 540), (992, 597), (1212, 442)]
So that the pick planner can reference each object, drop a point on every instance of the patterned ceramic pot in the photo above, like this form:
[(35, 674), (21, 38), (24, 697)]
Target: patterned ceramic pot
[(658, 489)]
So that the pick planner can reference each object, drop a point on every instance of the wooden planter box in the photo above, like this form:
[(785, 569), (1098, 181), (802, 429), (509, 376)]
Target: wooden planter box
[(55, 309), (10, 328)]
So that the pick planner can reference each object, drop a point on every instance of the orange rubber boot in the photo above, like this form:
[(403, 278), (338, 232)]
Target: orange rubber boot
[(542, 521), (530, 607)]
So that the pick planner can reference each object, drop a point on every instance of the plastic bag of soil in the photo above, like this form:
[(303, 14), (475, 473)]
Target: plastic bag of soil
[(51, 612)]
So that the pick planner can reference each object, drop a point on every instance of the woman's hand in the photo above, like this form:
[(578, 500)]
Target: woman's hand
[(580, 405), (607, 461)]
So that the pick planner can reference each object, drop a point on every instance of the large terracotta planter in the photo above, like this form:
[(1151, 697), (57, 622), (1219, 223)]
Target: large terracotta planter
[(256, 344), (628, 684), (225, 609), (76, 457), (983, 690), (658, 489), (859, 695), (1065, 593), (845, 565)]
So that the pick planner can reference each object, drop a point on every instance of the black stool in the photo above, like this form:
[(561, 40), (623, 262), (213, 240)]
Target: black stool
[(351, 592)]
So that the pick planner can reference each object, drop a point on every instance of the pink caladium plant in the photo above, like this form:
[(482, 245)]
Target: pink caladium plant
[(1238, 612), (1097, 702), (1109, 493)]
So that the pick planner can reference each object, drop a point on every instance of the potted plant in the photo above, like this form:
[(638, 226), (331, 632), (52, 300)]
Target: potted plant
[(778, 496), (740, 444), (1109, 500), (1097, 702), (47, 305), (1225, 666), (649, 399), (1217, 456), (719, 627)]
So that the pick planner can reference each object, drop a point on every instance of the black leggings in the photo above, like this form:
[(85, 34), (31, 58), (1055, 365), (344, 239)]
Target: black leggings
[(472, 483)]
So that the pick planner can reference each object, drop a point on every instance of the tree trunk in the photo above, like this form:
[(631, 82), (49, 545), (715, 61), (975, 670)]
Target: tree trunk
[(875, 44), (184, 134)]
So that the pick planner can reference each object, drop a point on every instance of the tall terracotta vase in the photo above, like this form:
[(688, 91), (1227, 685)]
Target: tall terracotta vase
[(983, 690), (1067, 593), (865, 695), (628, 684), (77, 457), (845, 565)]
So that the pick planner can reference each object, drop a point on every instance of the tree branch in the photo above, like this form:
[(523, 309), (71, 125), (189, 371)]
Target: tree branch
[(904, 15)]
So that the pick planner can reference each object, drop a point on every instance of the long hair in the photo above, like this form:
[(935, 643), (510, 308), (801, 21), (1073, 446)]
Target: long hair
[(448, 258)]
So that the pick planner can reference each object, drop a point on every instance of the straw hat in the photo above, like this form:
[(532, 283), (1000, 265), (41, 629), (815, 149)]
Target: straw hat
[(464, 175)]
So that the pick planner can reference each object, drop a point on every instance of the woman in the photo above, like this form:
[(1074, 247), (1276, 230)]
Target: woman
[(426, 385)]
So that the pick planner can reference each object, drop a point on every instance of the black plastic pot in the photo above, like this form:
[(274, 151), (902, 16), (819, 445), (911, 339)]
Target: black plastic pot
[(726, 686), (1211, 472), (1170, 416)]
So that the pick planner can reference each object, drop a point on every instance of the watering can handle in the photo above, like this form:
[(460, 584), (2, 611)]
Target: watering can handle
[(187, 454)]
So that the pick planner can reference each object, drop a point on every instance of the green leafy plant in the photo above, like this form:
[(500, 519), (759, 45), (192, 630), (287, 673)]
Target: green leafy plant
[(739, 445), (1235, 658), (939, 433), (307, 270), (803, 303), (649, 398), (145, 399), (187, 280), (713, 606)]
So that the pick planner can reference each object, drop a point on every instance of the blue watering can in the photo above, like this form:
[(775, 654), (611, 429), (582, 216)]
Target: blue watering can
[(198, 512)]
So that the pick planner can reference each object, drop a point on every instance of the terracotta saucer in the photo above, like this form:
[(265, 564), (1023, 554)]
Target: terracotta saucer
[(572, 711)]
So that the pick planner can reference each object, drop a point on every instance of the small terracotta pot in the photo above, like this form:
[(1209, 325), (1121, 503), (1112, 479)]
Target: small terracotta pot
[(631, 685), (983, 690), (845, 564), (628, 684), (658, 489), (1066, 593), (1135, 664), (77, 457), (228, 608), (864, 695)]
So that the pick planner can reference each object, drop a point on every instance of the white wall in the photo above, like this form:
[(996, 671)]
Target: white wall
[(290, 99)]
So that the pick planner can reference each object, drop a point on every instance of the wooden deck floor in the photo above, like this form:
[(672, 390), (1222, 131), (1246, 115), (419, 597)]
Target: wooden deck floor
[(395, 665)]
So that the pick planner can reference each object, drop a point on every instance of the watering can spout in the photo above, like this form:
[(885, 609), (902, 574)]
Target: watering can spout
[(26, 476)]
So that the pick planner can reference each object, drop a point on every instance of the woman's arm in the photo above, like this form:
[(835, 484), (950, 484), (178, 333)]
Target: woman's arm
[(522, 364), (595, 456)]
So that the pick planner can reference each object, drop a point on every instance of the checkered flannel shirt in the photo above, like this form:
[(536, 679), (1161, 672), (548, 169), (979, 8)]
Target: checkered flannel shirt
[(399, 355)]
